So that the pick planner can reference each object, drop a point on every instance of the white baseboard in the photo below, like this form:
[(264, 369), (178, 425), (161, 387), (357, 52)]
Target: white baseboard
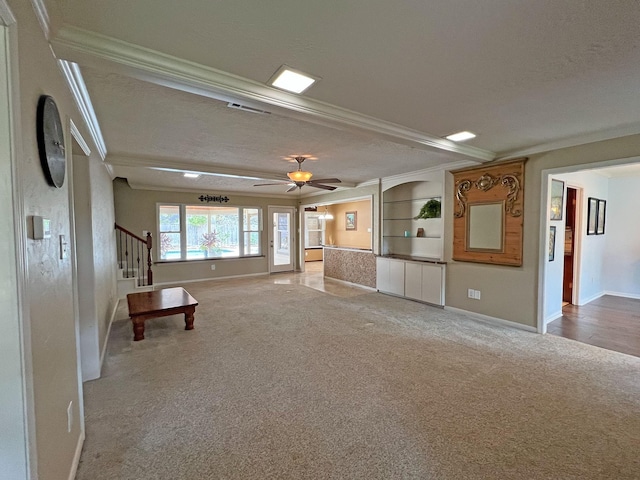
[(352, 284), (106, 337), (76, 457), (180, 282), (492, 320), (584, 301), (552, 317), (623, 295)]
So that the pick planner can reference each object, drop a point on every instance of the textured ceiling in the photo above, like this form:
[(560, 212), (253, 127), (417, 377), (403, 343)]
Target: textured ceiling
[(518, 73)]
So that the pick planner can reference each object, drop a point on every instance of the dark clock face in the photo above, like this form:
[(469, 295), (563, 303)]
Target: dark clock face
[(51, 141)]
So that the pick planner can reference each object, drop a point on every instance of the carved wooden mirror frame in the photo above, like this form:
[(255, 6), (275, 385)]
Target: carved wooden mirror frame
[(482, 231)]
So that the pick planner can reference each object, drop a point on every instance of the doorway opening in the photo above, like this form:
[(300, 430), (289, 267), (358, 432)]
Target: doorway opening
[(570, 238)]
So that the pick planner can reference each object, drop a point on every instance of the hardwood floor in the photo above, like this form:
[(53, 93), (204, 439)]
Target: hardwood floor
[(608, 322)]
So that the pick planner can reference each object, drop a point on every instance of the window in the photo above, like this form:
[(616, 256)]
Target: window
[(197, 232), (314, 231)]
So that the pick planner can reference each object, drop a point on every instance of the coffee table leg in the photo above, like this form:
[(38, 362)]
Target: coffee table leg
[(188, 318), (138, 329)]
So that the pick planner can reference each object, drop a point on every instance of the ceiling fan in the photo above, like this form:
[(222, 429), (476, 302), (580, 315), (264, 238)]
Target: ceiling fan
[(299, 178)]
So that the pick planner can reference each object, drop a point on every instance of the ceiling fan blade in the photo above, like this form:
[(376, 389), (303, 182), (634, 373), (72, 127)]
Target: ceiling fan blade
[(325, 180), (291, 188), (265, 184), (319, 185)]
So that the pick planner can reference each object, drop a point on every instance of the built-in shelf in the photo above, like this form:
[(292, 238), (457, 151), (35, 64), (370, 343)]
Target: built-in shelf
[(400, 207)]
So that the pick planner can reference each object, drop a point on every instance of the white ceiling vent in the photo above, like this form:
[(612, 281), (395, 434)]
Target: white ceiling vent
[(244, 108)]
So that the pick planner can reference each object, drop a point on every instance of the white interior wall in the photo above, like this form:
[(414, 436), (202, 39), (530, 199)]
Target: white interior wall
[(621, 257), (591, 282)]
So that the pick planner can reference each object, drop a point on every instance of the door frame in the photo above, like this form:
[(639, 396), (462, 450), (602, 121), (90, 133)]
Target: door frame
[(271, 209), (577, 242)]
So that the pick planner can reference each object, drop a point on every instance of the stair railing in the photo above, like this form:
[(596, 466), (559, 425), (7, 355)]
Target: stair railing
[(131, 255)]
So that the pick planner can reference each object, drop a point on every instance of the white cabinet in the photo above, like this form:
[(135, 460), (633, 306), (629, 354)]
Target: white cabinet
[(390, 275), (415, 280)]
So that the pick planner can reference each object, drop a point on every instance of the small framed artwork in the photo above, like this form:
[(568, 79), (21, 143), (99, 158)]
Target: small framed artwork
[(602, 210), (557, 200), (592, 216), (552, 243), (351, 219)]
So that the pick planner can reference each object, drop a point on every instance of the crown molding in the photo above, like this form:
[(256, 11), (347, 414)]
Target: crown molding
[(80, 45), (609, 134), (204, 168), (79, 138), (240, 193), (6, 15), (75, 82), (42, 14)]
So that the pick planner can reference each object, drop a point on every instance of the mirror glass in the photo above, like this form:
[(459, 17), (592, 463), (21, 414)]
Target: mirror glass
[(485, 227)]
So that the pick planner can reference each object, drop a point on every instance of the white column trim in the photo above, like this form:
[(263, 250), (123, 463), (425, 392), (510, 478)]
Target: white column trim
[(75, 82)]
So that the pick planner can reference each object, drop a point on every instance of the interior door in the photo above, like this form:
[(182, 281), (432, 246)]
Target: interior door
[(569, 246), (281, 244)]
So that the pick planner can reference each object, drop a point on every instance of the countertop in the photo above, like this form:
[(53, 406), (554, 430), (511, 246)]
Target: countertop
[(414, 259)]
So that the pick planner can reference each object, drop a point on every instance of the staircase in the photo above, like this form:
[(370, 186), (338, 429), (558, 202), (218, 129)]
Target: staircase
[(134, 262)]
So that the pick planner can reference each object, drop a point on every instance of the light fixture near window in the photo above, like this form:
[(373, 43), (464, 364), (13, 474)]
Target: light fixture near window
[(292, 80), (326, 215), (191, 175)]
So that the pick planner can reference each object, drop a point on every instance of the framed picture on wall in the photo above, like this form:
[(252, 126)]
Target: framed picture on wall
[(552, 243), (351, 219), (602, 210), (557, 200), (592, 216)]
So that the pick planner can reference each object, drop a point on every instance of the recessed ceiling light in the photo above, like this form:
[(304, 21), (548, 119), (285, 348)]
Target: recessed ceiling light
[(191, 175), (460, 136), (291, 80)]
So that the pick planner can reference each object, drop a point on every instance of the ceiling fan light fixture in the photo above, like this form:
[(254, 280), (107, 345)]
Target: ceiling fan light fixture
[(299, 176), (291, 80)]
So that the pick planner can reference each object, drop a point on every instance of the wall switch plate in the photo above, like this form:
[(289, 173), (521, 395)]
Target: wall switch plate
[(63, 248), (213, 267), (471, 293), (41, 227), (476, 294)]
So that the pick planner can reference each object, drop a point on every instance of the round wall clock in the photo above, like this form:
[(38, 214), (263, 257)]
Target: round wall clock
[(51, 141)]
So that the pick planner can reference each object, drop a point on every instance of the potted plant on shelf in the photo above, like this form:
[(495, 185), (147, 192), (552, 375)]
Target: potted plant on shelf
[(431, 209)]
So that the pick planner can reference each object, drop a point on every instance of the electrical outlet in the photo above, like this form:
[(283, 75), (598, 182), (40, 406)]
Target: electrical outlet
[(213, 267), (70, 416), (476, 295), (471, 293)]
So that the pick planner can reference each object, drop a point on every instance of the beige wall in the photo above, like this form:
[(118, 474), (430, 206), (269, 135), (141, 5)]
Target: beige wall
[(336, 232), (510, 293), (135, 210), (49, 296), (369, 191)]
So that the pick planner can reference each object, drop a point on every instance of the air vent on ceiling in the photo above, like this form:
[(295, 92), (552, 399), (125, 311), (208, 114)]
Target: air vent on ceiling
[(244, 108)]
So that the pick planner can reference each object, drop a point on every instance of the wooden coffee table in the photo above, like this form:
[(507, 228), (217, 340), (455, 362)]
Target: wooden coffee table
[(160, 303)]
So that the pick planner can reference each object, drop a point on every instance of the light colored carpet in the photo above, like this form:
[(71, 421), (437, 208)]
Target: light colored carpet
[(281, 381)]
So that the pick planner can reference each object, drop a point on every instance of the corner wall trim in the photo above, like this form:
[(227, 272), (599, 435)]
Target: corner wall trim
[(106, 338), (76, 457), (492, 320)]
